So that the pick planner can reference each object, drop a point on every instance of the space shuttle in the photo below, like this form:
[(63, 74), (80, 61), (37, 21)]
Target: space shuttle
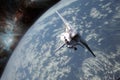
[(74, 38)]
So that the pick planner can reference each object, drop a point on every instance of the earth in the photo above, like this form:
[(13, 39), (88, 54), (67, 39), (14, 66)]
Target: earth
[(97, 21)]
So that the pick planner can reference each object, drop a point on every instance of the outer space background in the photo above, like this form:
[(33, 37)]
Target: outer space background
[(16, 17)]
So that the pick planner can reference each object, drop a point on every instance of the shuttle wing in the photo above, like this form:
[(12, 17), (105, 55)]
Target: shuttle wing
[(60, 47)]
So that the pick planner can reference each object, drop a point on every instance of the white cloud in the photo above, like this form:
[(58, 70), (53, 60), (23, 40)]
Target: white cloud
[(117, 14), (94, 13), (91, 36), (103, 63)]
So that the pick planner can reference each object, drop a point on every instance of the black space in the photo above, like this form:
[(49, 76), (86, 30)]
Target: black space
[(16, 17)]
